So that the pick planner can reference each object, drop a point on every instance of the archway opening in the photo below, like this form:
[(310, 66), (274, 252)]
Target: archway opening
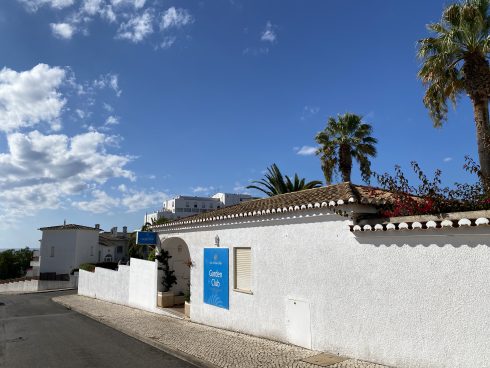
[(180, 263)]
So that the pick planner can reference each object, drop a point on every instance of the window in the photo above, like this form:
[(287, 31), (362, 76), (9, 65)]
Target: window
[(119, 249), (108, 258), (187, 204), (52, 252), (92, 250), (243, 269)]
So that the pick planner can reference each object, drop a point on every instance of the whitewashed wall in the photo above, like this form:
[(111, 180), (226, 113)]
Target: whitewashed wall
[(410, 299), (27, 286), (134, 285)]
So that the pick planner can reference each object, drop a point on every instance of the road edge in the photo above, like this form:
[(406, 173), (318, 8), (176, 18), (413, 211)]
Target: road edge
[(198, 362)]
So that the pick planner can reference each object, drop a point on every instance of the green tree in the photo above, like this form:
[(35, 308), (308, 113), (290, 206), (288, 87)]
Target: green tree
[(14, 263), (455, 61), (275, 183), (342, 140)]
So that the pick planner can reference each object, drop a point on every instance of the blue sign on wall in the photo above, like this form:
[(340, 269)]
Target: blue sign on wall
[(216, 277), (146, 238)]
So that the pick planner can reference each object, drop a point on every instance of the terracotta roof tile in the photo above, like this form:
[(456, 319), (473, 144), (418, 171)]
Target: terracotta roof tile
[(330, 195), (69, 227)]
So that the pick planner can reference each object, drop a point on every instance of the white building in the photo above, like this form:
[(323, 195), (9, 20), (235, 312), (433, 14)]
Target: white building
[(65, 247), (113, 245), (319, 269), (184, 206), (33, 270)]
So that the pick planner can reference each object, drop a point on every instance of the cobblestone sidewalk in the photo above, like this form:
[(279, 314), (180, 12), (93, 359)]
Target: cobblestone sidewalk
[(205, 346)]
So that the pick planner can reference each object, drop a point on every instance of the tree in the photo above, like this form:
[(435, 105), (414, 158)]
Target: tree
[(455, 61), (168, 278), (275, 183), (14, 263), (342, 140)]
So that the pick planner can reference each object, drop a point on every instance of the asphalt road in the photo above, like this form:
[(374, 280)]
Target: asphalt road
[(36, 332)]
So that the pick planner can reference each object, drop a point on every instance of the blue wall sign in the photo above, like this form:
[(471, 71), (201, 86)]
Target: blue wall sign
[(146, 238), (216, 277)]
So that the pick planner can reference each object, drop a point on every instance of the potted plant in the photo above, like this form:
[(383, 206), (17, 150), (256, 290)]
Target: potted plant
[(166, 297)]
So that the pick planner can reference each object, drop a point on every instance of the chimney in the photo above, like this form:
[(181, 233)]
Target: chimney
[(97, 226), (114, 231), (64, 223), (125, 230)]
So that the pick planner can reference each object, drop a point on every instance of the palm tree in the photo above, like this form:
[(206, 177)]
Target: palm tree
[(455, 61), (343, 139), (275, 183)]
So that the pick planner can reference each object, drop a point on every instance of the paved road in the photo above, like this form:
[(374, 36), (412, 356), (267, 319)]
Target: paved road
[(35, 332)]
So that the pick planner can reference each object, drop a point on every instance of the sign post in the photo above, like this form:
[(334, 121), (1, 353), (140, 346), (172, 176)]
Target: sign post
[(216, 277), (146, 238)]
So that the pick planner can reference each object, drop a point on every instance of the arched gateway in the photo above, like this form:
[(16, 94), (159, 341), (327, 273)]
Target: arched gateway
[(180, 263)]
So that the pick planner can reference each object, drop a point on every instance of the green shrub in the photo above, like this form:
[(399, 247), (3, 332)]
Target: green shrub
[(90, 267)]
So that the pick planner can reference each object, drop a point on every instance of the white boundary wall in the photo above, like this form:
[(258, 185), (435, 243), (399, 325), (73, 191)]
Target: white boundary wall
[(27, 286), (134, 285), (411, 299)]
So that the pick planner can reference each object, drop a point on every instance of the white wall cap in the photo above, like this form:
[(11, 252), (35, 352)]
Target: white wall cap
[(390, 227), (403, 226), (317, 205), (378, 227), (446, 223), (331, 203), (352, 200), (482, 221), (367, 227), (431, 224), (340, 201), (357, 228), (416, 225), (464, 222)]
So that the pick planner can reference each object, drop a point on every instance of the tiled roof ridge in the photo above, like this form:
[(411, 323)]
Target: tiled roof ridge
[(69, 227), (327, 196)]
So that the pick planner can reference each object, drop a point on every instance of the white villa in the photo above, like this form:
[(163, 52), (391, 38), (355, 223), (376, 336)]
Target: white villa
[(320, 269), (184, 206)]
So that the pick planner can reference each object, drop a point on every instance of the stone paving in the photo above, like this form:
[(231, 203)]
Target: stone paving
[(204, 345)]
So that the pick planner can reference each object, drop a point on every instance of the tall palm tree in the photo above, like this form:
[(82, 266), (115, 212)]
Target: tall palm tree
[(455, 61), (275, 183), (342, 140)]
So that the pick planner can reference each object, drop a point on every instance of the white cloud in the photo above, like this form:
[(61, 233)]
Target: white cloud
[(129, 201), (309, 111), (175, 18), (201, 189), (92, 7), (45, 171), (30, 97), (447, 159), (136, 28), (168, 42), (306, 150), (112, 120), (62, 30), (269, 35), (137, 4), (108, 81), (239, 188), (34, 5), (138, 200), (100, 202)]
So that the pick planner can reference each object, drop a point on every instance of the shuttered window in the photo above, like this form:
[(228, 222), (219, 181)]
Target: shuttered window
[(243, 269)]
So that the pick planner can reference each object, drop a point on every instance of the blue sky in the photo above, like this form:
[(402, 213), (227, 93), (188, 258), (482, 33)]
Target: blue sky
[(107, 107)]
